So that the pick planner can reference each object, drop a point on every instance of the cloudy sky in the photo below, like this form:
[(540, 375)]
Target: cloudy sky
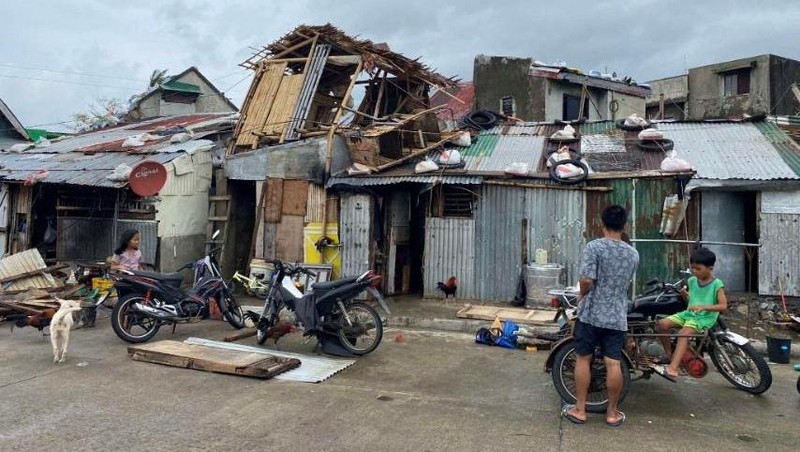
[(58, 57)]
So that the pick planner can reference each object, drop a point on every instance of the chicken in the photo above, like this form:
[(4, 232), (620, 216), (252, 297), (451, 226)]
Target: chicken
[(280, 329), (448, 288)]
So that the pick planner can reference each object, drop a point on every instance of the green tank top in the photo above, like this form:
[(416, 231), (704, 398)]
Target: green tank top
[(704, 295)]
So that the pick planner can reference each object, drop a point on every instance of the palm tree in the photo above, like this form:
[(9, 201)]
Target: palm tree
[(157, 77)]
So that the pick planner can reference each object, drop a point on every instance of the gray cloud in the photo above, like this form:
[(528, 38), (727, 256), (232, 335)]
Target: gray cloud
[(645, 39)]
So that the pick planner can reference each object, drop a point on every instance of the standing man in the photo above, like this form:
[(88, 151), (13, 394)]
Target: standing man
[(607, 268)]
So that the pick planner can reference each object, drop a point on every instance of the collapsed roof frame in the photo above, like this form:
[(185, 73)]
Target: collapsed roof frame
[(304, 82)]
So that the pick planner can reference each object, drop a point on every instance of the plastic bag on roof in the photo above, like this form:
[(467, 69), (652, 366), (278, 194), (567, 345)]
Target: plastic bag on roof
[(651, 134), (358, 169), (120, 174), (567, 132), (20, 147), (462, 139), (561, 154), (635, 120), (182, 137), (450, 157), (674, 164), (426, 166), (517, 169), (132, 142)]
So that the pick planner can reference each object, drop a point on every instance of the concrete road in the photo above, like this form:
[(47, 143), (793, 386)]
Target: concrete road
[(428, 392)]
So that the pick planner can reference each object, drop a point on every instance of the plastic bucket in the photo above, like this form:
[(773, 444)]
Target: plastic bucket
[(779, 349)]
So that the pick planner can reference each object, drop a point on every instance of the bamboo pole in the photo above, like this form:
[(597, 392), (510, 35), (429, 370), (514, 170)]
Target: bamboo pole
[(329, 147), (412, 155)]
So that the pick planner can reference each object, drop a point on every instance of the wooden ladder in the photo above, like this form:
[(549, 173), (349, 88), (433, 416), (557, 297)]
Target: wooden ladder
[(219, 212)]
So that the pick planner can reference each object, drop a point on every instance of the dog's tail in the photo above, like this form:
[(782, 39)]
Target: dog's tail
[(59, 316)]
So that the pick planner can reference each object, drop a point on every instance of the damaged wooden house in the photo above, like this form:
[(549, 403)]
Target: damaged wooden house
[(319, 102)]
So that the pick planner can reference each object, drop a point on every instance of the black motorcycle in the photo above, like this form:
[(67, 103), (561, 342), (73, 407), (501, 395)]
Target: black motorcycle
[(148, 300), (329, 312), (731, 354)]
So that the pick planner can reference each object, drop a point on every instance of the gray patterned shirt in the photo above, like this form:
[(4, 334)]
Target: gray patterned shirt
[(611, 264)]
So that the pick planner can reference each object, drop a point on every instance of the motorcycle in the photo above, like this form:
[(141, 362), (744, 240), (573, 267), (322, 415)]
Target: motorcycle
[(731, 353), (149, 300), (328, 312)]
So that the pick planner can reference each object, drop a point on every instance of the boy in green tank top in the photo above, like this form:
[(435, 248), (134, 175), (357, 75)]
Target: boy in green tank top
[(706, 296)]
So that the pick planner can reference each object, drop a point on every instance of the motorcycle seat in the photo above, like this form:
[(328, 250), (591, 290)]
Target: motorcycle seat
[(636, 317), (173, 279), (328, 285)]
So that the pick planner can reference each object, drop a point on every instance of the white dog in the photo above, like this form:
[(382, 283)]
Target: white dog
[(60, 326)]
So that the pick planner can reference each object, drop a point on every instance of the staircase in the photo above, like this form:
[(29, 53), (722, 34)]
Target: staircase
[(219, 212)]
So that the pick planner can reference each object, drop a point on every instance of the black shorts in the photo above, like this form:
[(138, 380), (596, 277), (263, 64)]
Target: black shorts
[(588, 337)]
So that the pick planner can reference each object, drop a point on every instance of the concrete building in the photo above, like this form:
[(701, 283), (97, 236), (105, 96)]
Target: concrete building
[(749, 86), (531, 91), (189, 92)]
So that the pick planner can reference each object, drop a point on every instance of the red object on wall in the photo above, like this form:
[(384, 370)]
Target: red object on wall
[(147, 178)]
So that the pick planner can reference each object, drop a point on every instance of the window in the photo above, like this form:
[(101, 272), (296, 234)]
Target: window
[(508, 106), (572, 106), (736, 82), (453, 201)]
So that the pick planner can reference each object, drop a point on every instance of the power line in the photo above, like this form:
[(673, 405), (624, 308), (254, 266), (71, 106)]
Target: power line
[(18, 66), (71, 82)]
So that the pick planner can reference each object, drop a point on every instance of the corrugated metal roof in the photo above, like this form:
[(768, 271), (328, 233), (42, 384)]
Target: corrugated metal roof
[(493, 153), (313, 369), (731, 150), (76, 168)]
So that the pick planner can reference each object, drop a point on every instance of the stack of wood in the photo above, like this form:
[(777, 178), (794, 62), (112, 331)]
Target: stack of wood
[(28, 288)]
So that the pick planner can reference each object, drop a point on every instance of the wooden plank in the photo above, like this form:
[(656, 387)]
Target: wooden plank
[(260, 104), (295, 197), (289, 238), (233, 337), (269, 239), (518, 315), (282, 108), (273, 203), (198, 357), (37, 272)]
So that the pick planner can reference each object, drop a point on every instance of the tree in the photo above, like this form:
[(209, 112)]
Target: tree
[(103, 112), (157, 78)]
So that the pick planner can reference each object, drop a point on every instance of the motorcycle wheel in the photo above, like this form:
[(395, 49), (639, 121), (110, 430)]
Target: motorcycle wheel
[(130, 326), (366, 331), (747, 370), (231, 310), (798, 384), (563, 375)]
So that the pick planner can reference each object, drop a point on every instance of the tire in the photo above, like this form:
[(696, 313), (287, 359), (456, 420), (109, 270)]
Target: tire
[(597, 398), (621, 125), (231, 310), (798, 384), (123, 320), (745, 361), (353, 338), (482, 119), (570, 180), (664, 145)]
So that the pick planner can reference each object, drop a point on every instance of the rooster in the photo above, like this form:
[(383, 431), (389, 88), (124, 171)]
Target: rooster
[(280, 329), (448, 288)]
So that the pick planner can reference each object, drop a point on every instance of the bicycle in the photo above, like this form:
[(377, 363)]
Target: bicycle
[(253, 286)]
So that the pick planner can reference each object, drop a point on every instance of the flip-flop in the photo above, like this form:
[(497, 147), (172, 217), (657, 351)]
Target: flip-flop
[(571, 417), (662, 370), (619, 421)]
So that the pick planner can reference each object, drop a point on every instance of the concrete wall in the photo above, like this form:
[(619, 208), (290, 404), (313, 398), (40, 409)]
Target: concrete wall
[(706, 98), (496, 77), (675, 91), (602, 104), (783, 73), (209, 100)]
